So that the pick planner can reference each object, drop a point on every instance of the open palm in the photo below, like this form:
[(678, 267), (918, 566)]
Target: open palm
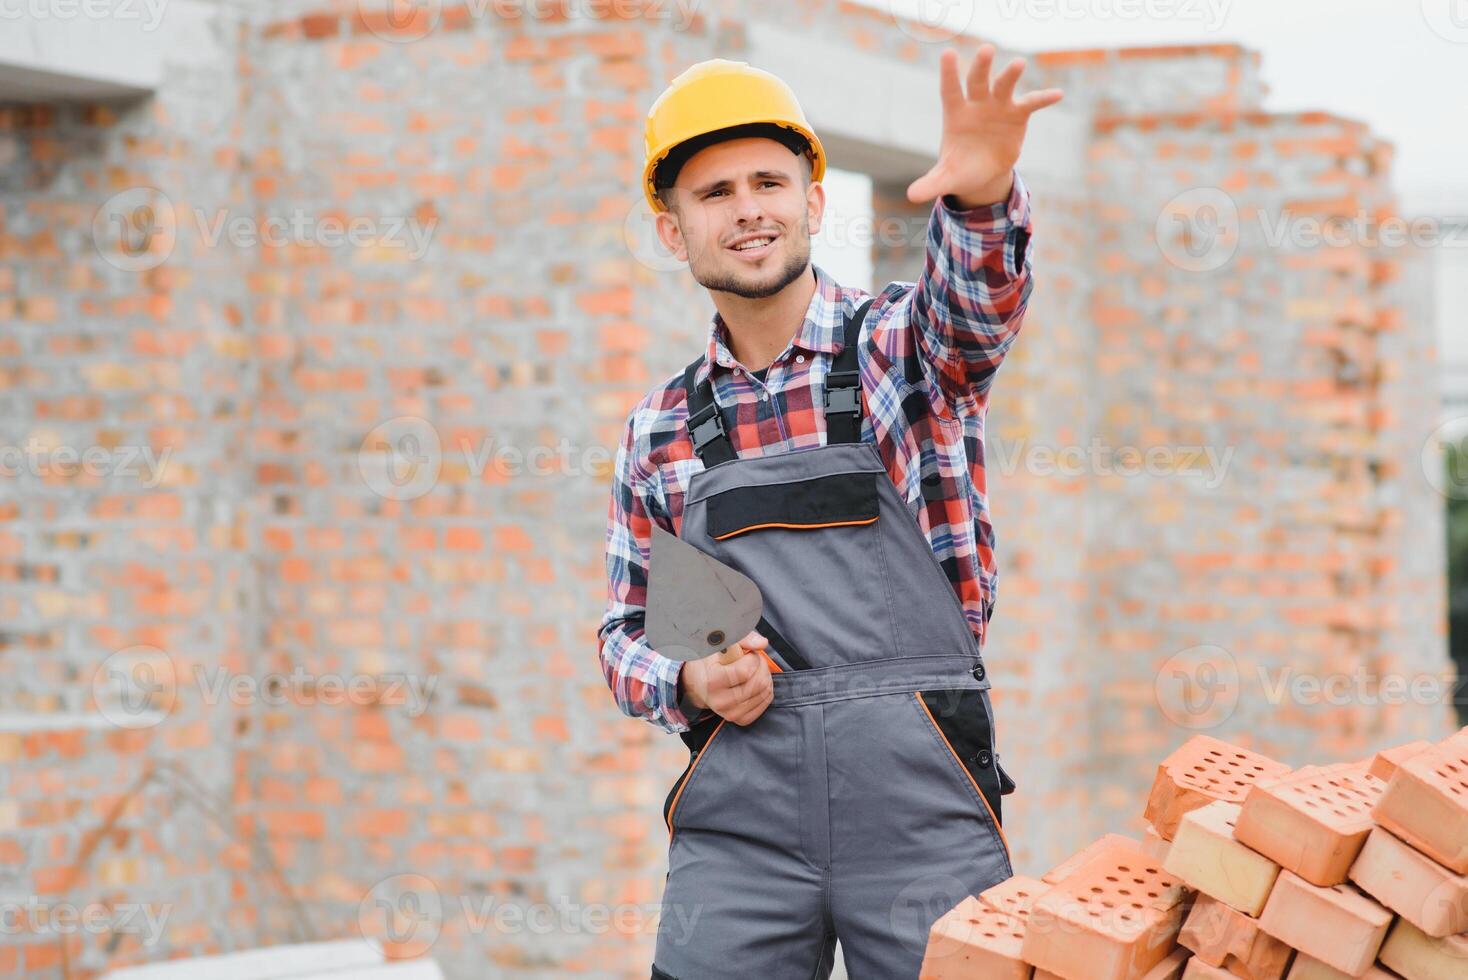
[(983, 131)]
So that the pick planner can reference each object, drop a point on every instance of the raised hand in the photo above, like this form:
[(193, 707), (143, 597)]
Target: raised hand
[(983, 132)]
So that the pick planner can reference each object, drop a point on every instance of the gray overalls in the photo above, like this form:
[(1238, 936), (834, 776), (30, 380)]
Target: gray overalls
[(864, 802)]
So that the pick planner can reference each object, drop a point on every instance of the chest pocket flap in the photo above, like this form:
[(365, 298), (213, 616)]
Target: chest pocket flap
[(823, 501)]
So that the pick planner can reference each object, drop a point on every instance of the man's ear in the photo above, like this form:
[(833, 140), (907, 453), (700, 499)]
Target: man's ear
[(671, 235), (815, 207)]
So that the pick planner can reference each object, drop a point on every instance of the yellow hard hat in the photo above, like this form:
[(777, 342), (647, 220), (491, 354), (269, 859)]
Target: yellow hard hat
[(720, 95)]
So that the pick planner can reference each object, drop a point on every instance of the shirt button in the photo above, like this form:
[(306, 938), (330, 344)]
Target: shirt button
[(978, 672), (764, 396), (1014, 216), (799, 358)]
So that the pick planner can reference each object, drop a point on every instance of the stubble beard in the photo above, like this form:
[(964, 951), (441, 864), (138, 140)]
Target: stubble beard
[(728, 282)]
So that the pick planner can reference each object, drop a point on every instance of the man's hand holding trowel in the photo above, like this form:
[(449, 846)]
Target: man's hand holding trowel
[(734, 683), (695, 603)]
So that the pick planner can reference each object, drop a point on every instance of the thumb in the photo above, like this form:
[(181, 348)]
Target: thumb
[(926, 187)]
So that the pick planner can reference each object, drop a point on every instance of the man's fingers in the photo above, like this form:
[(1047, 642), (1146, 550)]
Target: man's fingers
[(1039, 100), (978, 73), (754, 641), (1005, 82), (948, 86)]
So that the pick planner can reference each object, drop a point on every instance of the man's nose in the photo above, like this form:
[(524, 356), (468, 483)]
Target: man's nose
[(747, 207)]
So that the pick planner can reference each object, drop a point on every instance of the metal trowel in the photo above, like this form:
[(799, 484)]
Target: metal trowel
[(696, 605)]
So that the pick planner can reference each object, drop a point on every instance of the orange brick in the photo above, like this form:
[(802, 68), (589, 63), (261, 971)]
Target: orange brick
[(1207, 857), (1309, 968), (1313, 825), (1426, 803), (1412, 885), (1013, 896), (1072, 864), (1418, 956), (1201, 770), (1171, 968), (1113, 919), (973, 940), (1199, 970), (1385, 762), (1225, 937), (1338, 925)]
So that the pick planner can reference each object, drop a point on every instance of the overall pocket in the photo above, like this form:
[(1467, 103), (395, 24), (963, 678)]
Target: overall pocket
[(962, 719), (837, 500), (699, 740)]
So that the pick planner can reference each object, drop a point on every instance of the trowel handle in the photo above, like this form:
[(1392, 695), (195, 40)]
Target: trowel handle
[(731, 653)]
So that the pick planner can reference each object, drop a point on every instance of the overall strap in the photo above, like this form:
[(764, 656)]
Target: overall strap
[(705, 424), (843, 385)]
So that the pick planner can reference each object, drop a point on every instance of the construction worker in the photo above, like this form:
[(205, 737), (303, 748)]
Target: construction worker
[(829, 445)]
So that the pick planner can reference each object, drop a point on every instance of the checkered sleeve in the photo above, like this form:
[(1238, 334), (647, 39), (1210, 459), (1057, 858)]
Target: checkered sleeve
[(969, 304), (643, 682)]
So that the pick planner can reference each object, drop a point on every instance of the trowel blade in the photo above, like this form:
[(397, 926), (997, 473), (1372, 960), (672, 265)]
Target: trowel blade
[(696, 605)]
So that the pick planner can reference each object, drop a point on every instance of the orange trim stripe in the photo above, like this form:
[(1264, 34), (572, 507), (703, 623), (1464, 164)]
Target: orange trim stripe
[(774, 669), (982, 798), (756, 527), (689, 778)]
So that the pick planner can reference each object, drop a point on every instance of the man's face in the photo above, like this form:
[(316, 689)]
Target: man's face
[(742, 217)]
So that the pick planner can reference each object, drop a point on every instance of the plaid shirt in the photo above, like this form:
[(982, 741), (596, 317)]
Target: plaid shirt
[(929, 354)]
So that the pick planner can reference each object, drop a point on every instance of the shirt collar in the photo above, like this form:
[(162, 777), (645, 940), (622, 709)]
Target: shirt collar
[(820, 331)]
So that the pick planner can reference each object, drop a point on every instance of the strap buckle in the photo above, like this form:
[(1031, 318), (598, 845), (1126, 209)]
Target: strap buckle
[(706, 427), (843, 392)]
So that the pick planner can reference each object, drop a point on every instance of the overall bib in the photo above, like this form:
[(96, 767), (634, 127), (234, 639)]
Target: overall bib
[(864, 802)]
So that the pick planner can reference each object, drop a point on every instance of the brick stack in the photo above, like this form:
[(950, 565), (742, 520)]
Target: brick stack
[(1250, 870)]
